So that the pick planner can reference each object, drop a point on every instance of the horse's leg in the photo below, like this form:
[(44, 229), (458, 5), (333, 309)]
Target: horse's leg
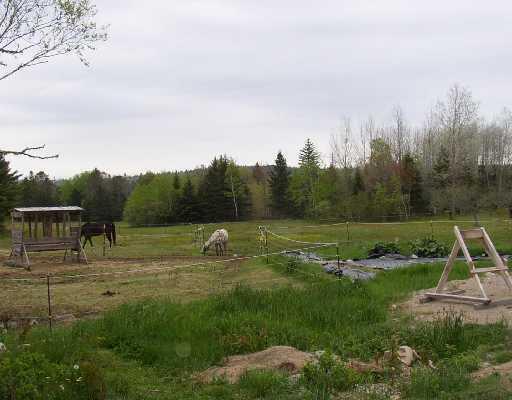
[(90, 240)]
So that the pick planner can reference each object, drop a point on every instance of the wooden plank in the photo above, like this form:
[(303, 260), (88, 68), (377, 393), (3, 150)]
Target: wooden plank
[(448, 267), (457, 297), (472, 233), (491, 250), (485, 270), (426, 299)]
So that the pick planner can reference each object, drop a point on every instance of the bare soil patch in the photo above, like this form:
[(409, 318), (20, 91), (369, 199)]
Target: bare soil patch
[(278, 358), (500, 308)]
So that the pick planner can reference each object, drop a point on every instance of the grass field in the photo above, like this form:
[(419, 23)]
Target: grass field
[(156, 330)]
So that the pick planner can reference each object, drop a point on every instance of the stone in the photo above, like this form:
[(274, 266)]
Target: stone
[(3, 348), (407, 355)]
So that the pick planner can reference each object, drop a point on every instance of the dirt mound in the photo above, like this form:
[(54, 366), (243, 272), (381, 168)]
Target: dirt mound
[(503, 370), (277, 358), (495, 287)]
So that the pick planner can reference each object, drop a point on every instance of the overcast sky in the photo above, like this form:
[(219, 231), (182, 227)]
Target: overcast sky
[(181, 81)]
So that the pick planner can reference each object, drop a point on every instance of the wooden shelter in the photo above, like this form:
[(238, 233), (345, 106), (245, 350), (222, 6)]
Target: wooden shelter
[(36, 229), (499, 267)]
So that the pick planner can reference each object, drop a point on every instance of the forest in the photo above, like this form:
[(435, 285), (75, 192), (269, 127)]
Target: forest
[(456, 162)]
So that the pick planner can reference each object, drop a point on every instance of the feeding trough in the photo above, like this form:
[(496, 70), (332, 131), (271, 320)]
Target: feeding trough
[(36, 229)]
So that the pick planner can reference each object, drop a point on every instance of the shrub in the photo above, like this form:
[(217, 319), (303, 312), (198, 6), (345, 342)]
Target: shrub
[(329, 375), (382, 248), (31, 376), (292, 266), (428, 247)]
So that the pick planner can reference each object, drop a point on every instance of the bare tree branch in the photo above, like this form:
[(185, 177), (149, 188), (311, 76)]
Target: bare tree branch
[(33, 31), (27, 152)]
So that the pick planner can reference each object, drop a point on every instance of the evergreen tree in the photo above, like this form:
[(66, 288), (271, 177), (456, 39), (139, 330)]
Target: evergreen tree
[(309, 156), (411, 183), (305, 184), (176, 184), (38, 190), (97, 200), (8, 188), (187, 204), (279, 182), (214, 202)]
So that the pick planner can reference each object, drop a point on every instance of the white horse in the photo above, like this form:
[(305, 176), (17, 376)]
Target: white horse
[(219, 238)]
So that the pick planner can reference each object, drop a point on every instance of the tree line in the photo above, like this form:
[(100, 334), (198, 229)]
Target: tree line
[(456, 162)]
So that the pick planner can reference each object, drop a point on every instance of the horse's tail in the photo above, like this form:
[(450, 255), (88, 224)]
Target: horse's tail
[(114, 233)]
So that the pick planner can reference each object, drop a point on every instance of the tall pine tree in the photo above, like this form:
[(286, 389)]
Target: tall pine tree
[(279, 182)]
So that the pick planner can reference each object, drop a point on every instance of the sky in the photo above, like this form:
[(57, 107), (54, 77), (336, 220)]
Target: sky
[(179, 82)]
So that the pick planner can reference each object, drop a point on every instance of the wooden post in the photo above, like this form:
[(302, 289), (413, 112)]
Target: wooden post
[(49, 301), (338, 254), (266, 242), (36, 220), (432, 229), (29, 226), (348, 231)]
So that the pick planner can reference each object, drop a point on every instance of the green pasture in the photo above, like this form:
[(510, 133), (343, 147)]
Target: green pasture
[(153, 349), (354, 239)]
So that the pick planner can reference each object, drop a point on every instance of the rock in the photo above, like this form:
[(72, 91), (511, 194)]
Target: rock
[(407, 355), (3, 348), (414, 256), (394, 307), (278, 358)]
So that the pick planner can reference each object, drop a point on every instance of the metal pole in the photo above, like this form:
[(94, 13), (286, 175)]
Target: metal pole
[(49, 301)]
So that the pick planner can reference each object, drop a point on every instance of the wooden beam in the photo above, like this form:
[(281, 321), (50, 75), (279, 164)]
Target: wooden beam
[(458, 297)]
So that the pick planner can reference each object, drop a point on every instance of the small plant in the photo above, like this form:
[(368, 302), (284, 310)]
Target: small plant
[(329, 375), (383, 248), (428, 247), (292, 266)]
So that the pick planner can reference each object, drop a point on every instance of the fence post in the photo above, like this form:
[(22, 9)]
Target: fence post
[(49, 301), (338, 255), (348, 231), (266, 242), (432, 228)]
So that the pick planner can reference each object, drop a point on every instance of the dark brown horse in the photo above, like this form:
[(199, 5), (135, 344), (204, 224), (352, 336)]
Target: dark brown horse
[(90, 229)]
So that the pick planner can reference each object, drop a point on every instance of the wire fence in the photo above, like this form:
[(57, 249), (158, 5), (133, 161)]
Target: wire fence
[(55, 294)]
